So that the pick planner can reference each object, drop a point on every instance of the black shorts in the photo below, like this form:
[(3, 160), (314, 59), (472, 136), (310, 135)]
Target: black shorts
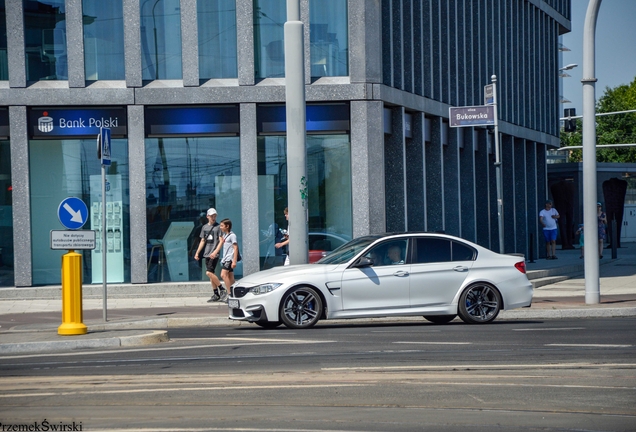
[(210, 264), (227, 265)]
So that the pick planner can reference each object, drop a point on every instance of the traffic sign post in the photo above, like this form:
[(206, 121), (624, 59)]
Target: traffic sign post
[(73, 214), (104, 152)]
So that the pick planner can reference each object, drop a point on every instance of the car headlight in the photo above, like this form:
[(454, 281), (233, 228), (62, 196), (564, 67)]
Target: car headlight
[(265, 288)]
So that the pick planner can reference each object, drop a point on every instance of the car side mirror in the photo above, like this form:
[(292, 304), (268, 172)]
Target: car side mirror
[(364, 262)]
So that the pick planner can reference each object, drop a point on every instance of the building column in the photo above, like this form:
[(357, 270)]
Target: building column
[(532, 199), (137, 184), (508, 193), (132, 43), (394, 173), (249, 189), (365, 36), (415, 172), (482, 182), (75, 44), (16, 54), (22, 260), (189, 43), (434, 180), (367, 168), (452, 194), (520, 197), (245, 41)]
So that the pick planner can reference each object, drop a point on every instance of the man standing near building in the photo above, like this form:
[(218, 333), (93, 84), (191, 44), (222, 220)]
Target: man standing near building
[(548, 218), (209, 241)]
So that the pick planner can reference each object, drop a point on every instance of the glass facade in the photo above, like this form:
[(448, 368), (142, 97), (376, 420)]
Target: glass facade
[(103, 40), (69, 168), (45, 40), (4, 65), (184, 177), (6, 216), (160, 39), (329, 189), (217, 39), (328, 37)]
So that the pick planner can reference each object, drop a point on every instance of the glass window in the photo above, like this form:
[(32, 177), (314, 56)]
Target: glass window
[(185, 177), (329, 38), (103, 40), (4, 65), (160, 39), (431, 250), (388, 253), (217, 38), (269, 46), (45, 40), (65, 168), (6, 216), (329, 189)]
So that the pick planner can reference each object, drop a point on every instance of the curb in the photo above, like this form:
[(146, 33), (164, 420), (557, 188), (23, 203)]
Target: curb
[(153, 337)]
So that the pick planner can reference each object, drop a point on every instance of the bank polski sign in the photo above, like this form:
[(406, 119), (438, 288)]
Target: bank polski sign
[(55, 123)]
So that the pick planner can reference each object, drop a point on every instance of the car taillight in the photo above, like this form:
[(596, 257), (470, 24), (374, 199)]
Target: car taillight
[(521, 266)]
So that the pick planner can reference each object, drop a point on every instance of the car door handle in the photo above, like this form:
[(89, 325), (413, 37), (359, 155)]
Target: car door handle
[(460, 269), (401, 273)]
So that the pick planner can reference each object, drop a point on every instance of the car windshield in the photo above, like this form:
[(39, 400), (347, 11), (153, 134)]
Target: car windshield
[(348, 250)]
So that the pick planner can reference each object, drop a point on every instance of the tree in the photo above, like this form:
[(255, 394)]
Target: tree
[(610, 129)]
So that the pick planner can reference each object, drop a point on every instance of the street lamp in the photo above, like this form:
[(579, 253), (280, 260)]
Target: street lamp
[(568, 67)]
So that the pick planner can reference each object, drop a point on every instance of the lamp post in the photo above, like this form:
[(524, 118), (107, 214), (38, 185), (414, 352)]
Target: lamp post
[(296, 134), (590, 230)]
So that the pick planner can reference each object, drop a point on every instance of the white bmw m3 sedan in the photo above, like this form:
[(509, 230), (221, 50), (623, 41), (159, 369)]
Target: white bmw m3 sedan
[(436, 276)]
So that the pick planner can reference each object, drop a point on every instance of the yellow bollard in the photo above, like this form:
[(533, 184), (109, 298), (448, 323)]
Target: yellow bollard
[(72, 295)]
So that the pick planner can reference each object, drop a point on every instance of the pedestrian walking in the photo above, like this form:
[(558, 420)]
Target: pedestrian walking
[(210, 235), (602, 220), (548, 218), (229, 256), (581, 234), (285, 242)]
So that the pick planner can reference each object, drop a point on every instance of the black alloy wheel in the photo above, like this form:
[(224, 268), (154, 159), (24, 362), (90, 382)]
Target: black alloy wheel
[(480, 303), (301, 308)]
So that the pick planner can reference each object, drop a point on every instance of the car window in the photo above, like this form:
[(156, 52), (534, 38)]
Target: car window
[(432, 250), (462, 252), (388, 253), (348, 250)]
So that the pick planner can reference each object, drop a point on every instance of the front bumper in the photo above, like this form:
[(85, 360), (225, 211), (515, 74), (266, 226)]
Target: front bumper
[(254, 313)]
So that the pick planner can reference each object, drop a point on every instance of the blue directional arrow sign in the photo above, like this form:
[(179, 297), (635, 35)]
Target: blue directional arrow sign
[(72, 213)]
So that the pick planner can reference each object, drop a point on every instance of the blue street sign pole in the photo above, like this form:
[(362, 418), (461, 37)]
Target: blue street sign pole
[(104, 145)]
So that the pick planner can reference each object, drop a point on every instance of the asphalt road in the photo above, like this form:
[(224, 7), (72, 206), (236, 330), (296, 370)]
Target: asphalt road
[(513, 376)]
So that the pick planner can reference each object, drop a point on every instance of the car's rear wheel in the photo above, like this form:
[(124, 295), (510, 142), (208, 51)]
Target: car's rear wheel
[(480, 303), (440, 319), (301, 308), (268, 324)]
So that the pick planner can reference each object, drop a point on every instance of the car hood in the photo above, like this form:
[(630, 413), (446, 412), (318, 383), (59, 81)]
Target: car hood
[(295, 273)]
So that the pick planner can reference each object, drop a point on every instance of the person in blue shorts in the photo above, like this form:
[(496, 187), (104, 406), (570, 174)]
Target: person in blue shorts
[(548, 218)]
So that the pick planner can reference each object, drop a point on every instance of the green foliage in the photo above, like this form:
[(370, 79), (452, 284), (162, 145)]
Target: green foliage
[(611, 129)]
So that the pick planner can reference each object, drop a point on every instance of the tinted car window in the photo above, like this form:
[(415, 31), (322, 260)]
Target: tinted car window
[(388, 253), (462, 252), (431, 250)]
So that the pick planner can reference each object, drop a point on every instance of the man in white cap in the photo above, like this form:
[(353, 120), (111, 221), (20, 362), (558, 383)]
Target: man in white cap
[(209, 241)]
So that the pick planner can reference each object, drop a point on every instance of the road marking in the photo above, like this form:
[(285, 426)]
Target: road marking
[(435, 343), (487, 367), (550, 329), (590, 345)]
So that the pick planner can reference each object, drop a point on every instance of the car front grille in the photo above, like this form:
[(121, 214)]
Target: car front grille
[(240, 291)]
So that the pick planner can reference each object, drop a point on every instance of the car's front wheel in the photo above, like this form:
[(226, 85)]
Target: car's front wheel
[(480, 303), (301, 308), (440, 319)]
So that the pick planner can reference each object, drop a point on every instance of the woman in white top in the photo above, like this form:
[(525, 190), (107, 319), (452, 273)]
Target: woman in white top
[(229, 257)]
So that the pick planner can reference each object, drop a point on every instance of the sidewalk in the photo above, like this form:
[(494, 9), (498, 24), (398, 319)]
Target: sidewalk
[(30, 324)]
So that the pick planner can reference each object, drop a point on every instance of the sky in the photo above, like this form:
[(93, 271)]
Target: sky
[(615, 49)]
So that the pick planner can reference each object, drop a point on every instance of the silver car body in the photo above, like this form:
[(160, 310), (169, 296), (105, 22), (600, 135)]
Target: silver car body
[(407, 289)]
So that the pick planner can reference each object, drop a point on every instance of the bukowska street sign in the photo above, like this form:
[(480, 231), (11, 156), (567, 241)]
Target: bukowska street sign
[(472, 116)]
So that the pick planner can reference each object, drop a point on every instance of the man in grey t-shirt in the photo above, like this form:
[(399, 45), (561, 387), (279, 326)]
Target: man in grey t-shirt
[(209, 241)]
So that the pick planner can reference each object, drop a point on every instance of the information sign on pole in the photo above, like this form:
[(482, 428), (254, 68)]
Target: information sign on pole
[(104, 138), (472, 116), (72, 240), (489, 98)]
